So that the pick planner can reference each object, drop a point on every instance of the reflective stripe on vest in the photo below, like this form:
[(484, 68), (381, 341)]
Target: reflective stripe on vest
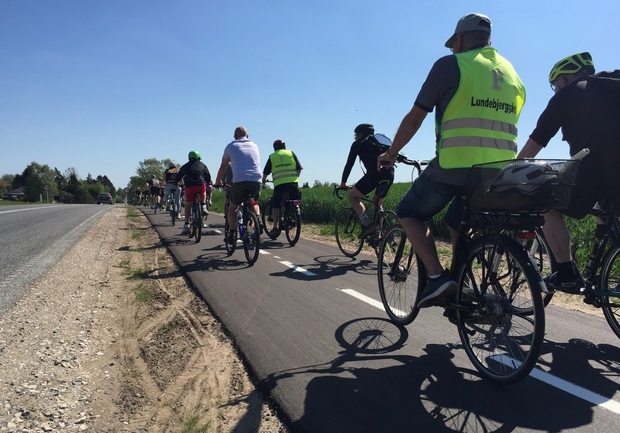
[(283, 167), (480, 122)]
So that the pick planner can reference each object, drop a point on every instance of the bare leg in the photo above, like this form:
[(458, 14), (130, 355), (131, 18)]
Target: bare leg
[(557, 236), (423, 243)]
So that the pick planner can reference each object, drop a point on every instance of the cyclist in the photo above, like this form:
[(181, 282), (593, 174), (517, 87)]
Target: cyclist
[(169, 176), (585, 106), (367, 149), (478, 98), (154, 187), (195, 176), (243, 157), (286, 169)]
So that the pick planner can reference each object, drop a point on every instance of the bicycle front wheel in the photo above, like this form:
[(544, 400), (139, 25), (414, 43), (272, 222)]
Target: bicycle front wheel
[(610, 282), (386, 220), (348, 230), (251, 238), (292, 224), (501, 316), (399, 274)]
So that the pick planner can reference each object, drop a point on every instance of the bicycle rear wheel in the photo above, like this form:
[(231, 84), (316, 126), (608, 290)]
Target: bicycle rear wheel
[(399, 274), (230, 248), (610, 282), (501, 316), (267, 220), (292, 223), (173, 212), (251, 238), (197, 222), (348, 229)]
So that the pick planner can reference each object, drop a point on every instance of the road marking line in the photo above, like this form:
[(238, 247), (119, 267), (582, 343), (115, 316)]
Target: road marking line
[(28, 208), (363, 298), (298, 268)]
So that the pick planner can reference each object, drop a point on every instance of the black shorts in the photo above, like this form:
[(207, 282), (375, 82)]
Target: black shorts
[(287, 188), (371, 180), (237, 191)]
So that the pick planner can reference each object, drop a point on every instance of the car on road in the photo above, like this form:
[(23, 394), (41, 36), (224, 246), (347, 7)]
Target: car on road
[(104, 197)]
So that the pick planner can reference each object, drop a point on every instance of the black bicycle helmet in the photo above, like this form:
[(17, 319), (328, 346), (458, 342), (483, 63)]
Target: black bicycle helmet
[(365, 129), (279, 144)]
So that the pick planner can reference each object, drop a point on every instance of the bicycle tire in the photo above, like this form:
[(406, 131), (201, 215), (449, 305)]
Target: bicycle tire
[(399, 272), (197, 221), (348, 229), (292, 223), (502, 331), (265, 216), (610, 281), (230, 248), (173, 213), (386, 220), (538, 250), (251, 238)]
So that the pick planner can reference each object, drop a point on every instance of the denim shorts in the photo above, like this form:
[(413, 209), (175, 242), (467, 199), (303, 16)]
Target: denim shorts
[(426, 198)]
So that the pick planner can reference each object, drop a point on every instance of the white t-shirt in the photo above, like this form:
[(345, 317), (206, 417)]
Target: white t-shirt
[(244, 160)]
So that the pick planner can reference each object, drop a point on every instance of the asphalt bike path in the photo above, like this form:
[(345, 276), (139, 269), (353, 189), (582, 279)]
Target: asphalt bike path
[(309, 321)]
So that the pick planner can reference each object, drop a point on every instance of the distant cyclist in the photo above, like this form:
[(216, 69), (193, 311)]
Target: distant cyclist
[(169, 177), (367, 149), (285, 169), (195, 175), (154, 190)]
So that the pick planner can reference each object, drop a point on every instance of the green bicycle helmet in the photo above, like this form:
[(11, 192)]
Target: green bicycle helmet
[(571, 65), (193, 155)]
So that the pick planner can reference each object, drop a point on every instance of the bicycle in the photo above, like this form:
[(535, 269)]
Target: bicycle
[(290, 218), (601, 274), (348, 227), (498, 308), (196, 219), (248, 227), (172, 205)]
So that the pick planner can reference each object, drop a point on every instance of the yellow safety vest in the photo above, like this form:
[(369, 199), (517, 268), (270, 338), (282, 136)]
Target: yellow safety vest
[(283, 167), (480, 122)]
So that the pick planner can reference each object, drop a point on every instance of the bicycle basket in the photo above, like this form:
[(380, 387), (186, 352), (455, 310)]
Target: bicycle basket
[(521, 185)]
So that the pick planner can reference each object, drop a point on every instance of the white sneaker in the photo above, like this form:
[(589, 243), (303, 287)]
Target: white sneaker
[(185, 230), (204, 210)]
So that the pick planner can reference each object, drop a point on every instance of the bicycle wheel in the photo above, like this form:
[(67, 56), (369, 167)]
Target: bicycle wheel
[(197, 222), (251, 238), (267, 220), (385, 221), (173, 212), (610, 282), (292, 223), (230, 248), (501, 317), (348, 229), (398, 275)]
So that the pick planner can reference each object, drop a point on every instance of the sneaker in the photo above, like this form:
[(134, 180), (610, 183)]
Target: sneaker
[(230, 238), (209, 202), (367, 230), (275, 232), (572, 286), (205, 211), (437, 290), (185, 230)]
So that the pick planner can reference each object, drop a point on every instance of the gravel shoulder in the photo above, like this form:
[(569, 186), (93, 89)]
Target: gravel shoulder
[(113, 339)]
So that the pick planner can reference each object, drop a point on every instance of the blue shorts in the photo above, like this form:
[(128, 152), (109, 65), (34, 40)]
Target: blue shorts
[(427, 197)]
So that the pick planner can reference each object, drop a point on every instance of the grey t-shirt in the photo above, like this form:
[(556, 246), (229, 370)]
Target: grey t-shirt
[(244, 160)]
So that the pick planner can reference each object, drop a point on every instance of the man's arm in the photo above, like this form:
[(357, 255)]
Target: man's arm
[(267, 170), (407, 129), (222, 171), (530, 150)]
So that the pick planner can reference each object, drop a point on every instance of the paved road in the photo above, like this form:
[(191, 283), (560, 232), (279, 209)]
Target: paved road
[(310, 323), (33, 238)]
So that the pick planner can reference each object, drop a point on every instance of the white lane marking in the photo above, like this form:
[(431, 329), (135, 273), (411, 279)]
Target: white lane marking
[(364, 298), (566, 386), (537, 373), (28, 208), (298, 268)]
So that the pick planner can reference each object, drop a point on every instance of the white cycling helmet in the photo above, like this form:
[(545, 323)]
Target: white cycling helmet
[(527, 177)]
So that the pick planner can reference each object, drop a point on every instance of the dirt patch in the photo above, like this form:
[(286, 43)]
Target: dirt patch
[(113, 339)]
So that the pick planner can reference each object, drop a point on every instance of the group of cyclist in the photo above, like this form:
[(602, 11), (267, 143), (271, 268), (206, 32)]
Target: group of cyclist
[(477, 97)]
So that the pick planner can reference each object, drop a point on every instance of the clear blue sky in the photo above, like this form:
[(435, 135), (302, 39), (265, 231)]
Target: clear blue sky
[(102, 85)]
